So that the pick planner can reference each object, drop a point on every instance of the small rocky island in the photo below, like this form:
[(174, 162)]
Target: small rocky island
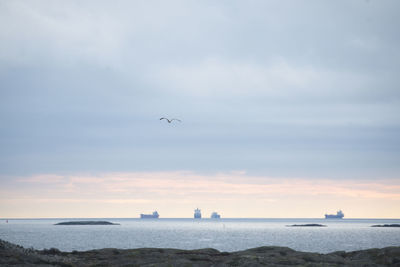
[(307, 225), (14, 255), (386, 225), (87, 223)]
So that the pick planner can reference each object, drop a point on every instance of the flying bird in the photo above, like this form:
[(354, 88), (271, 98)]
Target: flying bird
[(170, 120)]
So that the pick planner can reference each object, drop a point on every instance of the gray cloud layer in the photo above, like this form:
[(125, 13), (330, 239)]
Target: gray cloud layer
[(282, 88)]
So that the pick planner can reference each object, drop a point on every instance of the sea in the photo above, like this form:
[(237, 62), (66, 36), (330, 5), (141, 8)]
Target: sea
[(221, 234)]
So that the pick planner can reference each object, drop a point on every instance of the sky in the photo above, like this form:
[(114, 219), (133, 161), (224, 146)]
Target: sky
[(288, 108)]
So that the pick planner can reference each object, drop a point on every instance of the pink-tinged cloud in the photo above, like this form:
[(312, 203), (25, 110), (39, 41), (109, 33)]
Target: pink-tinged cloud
[(229, 184), (147, 190)]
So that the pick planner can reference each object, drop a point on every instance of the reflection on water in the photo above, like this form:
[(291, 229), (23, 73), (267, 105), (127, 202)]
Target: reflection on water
[(223, 234)]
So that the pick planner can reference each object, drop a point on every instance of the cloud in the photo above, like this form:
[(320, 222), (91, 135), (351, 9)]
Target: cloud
[(166, 184), (290, 84), (59, 34), (308, 91)]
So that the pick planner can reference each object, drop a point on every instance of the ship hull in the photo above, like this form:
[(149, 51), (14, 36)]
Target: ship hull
[(338, 215), (328, 216), (148, 216)]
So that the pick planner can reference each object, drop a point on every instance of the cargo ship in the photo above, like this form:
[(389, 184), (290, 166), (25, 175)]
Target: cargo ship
[(215, 215), (155, 215), (338, 215), (197, 214)]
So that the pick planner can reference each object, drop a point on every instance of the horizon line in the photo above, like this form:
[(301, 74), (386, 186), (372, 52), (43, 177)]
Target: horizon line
[(206, 218)]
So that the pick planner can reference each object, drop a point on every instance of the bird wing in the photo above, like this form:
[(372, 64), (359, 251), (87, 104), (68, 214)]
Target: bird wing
[(163, 119)]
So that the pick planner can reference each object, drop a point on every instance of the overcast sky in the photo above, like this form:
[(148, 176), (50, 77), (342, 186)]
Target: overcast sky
[(283, 89)]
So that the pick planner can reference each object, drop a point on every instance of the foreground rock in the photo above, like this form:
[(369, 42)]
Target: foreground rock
[(386, 225), (14, 255), (87, 223)]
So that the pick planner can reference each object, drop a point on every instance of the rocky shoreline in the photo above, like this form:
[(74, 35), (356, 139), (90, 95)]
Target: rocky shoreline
[(14, 255)]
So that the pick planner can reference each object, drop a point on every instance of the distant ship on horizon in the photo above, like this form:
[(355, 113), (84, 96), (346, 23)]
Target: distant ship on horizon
[(154, 215), (197, 213), (338, 215), (215, 215)]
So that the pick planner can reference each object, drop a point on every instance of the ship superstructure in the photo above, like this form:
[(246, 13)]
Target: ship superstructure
[(215, 215), (197, 213)]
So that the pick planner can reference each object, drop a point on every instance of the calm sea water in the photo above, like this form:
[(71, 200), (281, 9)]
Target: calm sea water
[(223, 234)]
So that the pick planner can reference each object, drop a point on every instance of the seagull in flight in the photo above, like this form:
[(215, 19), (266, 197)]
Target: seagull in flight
[(170, 120)]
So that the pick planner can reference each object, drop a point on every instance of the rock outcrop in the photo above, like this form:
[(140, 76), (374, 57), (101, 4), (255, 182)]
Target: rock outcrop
[(386, 225), (307, 225), (87, 223)]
